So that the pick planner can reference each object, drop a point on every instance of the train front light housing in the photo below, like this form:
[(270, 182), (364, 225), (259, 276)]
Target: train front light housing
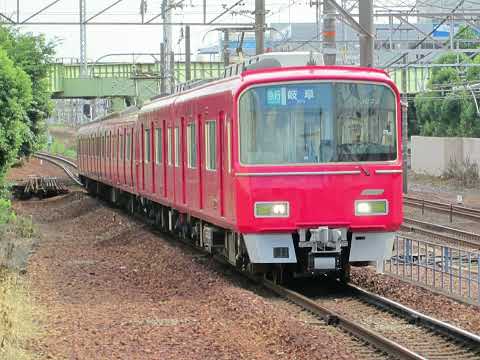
[(371, 207), (272, 209)]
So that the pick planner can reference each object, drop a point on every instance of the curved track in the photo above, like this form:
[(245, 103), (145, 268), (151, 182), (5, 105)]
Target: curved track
[(68, 166), (394, 329)]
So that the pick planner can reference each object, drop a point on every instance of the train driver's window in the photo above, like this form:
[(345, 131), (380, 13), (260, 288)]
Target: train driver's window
[(169, 146), (191, 146), (147, 145), (210, 145)]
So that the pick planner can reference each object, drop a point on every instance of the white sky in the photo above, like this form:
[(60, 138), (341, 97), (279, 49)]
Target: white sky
[(103, 40)]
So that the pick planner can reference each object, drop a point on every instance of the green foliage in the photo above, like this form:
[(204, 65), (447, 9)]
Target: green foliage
[(58, 147), (31, 53), (15, 99), (468, 36), (6, 214), (447, 109)]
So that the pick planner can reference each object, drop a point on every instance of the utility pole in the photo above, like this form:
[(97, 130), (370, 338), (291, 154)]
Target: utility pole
[(163, 86), (188, 73), (260, 26), (226, 53), (167, 35), (365, 8), (83, 39), (329, 33), (172, 72)]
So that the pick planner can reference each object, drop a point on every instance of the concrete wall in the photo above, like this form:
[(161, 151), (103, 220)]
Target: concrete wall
[(431, 155)]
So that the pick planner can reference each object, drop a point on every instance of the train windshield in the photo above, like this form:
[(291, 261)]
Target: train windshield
[(317, 123)]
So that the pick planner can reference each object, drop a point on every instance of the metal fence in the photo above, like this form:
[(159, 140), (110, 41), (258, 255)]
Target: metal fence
[(452, 271)]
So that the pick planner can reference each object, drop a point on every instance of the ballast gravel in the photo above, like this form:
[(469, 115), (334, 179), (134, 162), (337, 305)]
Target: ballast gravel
[(109, 288)]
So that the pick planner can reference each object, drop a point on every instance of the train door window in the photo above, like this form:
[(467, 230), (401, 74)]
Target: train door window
[(191, 146), (158, 145), (211, 145), (129, 147), (114, 147), (229, 148), (169, 146), (147, 145), (177, 147)]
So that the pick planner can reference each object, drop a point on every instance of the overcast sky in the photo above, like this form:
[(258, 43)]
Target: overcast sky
[(102, 40)]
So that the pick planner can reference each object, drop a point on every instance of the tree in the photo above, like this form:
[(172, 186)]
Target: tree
[(32, 53), (15, 99)]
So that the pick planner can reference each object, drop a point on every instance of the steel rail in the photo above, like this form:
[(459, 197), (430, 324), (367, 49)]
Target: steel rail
[(55, 161), (331, 317), (451, 209), (442, 232), (59, 157), (384, 344)]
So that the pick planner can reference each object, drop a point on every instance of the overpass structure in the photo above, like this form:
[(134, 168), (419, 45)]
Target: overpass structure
[(140, 81)]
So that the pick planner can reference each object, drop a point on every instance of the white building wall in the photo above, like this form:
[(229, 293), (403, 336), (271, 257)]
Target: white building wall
[(432, 155)]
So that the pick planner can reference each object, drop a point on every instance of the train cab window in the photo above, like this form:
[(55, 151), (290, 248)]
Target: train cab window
[(147, 148), (169, 146), (177, 147), (158, 146), (129, 147), (191, 146), (211, 145)]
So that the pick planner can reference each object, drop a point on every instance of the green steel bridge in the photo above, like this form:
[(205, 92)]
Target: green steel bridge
[(142, 80)]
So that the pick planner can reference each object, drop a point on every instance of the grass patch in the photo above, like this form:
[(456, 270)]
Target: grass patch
[(59, 148), (17, 312), (16, 317)]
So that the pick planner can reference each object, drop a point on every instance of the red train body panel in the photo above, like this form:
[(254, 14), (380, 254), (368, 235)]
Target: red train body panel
[(185, 152)]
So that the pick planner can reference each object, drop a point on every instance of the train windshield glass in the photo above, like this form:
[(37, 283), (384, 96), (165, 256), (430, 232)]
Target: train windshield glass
[(317, 123)]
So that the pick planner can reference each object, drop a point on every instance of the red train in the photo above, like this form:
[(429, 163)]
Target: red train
[(278, 168)]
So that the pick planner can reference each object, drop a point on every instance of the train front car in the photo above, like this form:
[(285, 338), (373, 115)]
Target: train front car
[(318, 168)]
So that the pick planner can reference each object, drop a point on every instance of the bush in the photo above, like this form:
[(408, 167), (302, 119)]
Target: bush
[(466, 173)]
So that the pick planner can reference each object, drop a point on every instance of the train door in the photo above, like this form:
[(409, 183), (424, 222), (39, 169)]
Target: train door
[(227, 188), (178, 160), (211, 169), (191, 177), (137, 158), (158, 158), (170, 171)]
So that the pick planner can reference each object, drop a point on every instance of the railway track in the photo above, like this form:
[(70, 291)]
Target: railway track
[(443, 233), (445, 208), (392, 328), (68, 166)]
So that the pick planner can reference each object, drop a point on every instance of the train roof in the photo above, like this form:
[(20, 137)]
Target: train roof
[(129, 115)]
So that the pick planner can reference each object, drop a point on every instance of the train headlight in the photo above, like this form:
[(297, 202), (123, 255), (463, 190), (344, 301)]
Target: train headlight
[(371, 207), (272, 209)]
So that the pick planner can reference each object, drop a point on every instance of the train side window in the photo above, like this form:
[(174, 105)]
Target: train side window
[(121, 148), (177, 147), (229, 148), (147, 145), (191, 146), (114, 147), (158, 145), (210, 145), (169, 145), (129, 147)]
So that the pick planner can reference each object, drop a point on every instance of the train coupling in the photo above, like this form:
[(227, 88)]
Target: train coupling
[(325, 247)]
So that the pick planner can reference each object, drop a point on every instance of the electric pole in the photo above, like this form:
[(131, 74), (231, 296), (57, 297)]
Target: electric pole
[(260, 26), (83, 39), (167, 37), (226, 53), (329, 33), (365, 8), (188, 74)]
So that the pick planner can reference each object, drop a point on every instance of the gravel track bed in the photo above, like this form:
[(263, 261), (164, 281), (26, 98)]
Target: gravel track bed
[(113, 290), (34, 166), (419, 339), (436, 305)]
